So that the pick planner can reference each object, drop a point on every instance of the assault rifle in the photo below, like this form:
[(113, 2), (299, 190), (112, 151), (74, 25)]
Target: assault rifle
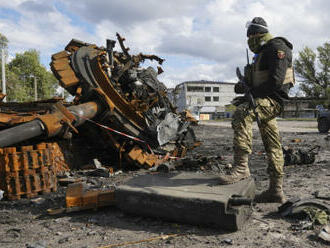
[(248, 95)]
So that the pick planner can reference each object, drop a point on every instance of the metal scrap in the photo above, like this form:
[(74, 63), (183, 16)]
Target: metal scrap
[(300, 156), (123, 105), (120, 112), (313, 211), (325, 233), (28, 171)]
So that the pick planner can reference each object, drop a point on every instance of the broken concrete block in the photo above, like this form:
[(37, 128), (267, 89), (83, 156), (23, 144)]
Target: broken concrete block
[(186, 197)]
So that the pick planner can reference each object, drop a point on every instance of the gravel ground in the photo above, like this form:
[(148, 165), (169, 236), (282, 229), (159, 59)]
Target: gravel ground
[(24, 223)]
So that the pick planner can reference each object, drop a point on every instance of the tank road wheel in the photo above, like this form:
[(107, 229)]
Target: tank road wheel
[(323, 125)]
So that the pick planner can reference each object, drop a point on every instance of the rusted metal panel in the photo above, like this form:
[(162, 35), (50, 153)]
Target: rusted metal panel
[(27, 171), (61, 64), (78, 195), (60, 55)]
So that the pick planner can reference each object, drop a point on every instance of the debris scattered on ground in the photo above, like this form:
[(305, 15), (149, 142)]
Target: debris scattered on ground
[(300, 156), (99, 172), (297, 140), (79, 196), (198, 163), (325, 233), (302, 225), (38, 201), (39, 244), (322, 195), (227, 241), (162, 237), (67, 181), (313, 211)]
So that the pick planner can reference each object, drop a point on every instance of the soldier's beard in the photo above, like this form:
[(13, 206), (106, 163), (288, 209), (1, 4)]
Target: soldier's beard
[(256, 42)]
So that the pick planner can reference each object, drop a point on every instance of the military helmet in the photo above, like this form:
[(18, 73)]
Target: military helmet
[(257, 26)]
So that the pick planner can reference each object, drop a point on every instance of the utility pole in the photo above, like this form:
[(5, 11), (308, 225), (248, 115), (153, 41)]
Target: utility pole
[(3, 62), (35, 88)]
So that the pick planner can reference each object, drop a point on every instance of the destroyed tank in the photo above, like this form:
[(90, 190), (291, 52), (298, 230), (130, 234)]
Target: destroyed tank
[(120, 111)]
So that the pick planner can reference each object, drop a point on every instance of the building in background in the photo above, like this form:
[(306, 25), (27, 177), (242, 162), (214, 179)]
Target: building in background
[(208, 100), (204, 99), (300, 107)]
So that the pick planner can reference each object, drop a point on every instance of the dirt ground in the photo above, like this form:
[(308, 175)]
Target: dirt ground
[(24, 223)]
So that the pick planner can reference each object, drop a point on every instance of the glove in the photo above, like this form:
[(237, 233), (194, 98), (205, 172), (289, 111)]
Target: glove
[(238, 100), (240, 88)]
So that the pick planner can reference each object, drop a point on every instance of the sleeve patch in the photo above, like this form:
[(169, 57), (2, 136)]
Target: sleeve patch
[(280, 54)]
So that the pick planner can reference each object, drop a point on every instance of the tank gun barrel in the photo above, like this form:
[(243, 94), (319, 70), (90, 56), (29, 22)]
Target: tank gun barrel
[(49, 125)]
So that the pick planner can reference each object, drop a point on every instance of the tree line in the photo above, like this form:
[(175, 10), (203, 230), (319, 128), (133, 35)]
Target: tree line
[(21, 72), (312, 69)]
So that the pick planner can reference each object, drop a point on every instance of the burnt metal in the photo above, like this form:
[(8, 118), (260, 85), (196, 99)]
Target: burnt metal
[(44, 125), (30, 170), (294, 206), (22, 132), (300, 156), (112, 92)]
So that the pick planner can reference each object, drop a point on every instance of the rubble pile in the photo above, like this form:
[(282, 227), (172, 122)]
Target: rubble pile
[(197, 163)]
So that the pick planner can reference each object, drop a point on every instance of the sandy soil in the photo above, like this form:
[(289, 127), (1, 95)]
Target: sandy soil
[(24, 223)]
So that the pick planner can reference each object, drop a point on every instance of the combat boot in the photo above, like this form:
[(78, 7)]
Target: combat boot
[(240, 170), (274, 193)]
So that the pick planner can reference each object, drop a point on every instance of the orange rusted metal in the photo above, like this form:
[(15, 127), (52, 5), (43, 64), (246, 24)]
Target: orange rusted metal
[(27, 171), (143, 158), (114, 94), (78, 196)]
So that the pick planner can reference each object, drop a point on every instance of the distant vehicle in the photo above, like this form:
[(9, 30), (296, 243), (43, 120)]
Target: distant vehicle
[(323, 121)]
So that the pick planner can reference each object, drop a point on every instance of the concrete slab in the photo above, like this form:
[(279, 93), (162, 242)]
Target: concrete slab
[(192, 198)]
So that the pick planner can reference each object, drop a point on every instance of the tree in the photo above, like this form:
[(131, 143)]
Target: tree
[(3, 41), (23, 68), (313, 70)]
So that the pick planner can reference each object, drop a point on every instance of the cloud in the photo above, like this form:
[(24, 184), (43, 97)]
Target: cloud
[(198, 71), (11, 3), (128, 13), (200, 39), (41, 26), (37, 7)]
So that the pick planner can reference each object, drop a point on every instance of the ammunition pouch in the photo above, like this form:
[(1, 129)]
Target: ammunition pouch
[(259, 77)]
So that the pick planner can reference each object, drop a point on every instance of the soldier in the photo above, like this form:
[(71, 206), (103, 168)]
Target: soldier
[(269, 79)]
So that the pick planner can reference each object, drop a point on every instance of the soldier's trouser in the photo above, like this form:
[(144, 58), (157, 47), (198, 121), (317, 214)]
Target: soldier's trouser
[(243, 118)]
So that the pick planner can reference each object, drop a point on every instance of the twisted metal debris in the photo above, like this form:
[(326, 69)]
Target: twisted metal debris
[(118, 106)]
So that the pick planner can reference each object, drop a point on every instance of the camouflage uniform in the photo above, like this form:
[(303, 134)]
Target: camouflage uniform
[(268, 89), (243, 118), (269, 77)]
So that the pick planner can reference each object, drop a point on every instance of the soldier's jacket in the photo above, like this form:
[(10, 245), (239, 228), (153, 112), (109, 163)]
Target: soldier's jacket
[(275, 57)]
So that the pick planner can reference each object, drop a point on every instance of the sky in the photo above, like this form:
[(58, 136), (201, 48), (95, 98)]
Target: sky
[(199, 39)]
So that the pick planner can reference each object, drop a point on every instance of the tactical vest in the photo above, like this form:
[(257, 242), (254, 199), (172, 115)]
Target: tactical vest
[(256, 76)]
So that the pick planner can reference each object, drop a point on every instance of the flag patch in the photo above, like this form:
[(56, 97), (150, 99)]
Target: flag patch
[(280, 54)]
